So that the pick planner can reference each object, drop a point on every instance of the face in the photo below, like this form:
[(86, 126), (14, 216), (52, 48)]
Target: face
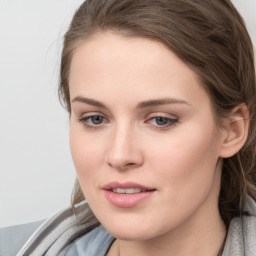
[(143, 137)]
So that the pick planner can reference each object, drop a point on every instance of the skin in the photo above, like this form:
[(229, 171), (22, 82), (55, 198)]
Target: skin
[(181, 160)]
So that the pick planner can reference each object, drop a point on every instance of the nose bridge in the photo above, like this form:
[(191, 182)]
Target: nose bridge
[(123, 150)]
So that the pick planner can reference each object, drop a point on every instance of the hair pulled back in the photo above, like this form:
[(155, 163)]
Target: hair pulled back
[(209, 36)]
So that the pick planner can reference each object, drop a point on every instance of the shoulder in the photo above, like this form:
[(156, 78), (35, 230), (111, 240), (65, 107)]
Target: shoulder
[(249, 227), (241, 235), (58, 233), (250, 206), (13, 238)]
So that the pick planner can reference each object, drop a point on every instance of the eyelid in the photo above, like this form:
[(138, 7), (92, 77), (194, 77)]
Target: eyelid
[(172, 121), (84, 120), (91, 113), (161, 114), (168, 118)]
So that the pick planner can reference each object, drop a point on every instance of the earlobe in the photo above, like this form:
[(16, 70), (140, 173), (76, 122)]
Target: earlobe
[(236, 131)]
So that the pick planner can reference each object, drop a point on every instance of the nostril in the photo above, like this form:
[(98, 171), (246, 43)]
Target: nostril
[(130, 164), (122, 165)]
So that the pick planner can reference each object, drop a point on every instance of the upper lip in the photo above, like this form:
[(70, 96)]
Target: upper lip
[(115, 184)]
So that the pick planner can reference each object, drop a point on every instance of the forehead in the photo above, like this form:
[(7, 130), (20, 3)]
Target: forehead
[(105, 48), (116, 65)]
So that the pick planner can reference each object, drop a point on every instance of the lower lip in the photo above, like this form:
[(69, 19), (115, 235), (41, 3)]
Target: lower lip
[(127, 200)]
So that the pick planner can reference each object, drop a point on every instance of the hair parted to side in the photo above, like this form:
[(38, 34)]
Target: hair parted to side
[(210, 36)]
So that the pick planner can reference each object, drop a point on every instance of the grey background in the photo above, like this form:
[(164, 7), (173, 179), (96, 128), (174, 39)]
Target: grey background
[(36, 170)]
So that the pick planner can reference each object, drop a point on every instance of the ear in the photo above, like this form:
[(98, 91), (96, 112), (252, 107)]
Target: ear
[(235, 132)]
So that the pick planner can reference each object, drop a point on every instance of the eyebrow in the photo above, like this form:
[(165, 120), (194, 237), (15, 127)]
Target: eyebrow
[(141, 105), (159, 102), (89, 101)]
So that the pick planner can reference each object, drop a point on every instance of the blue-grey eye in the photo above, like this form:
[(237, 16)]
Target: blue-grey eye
[(96, 119), (162, 120)]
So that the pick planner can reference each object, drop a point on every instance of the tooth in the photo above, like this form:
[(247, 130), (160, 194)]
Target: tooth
[(129, 191), (120, 191)]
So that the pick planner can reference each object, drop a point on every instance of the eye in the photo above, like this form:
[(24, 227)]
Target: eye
[(162, 122), (96, 119), (93, 121)]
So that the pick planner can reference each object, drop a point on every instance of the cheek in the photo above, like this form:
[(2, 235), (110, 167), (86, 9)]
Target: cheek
[(184, 169), (187, 160), (87, 153)]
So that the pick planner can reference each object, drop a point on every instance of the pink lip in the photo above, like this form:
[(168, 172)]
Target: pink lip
[(126, 200)]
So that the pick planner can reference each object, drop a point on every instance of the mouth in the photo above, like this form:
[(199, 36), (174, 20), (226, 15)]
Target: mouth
[(127, 195), (128, 190)]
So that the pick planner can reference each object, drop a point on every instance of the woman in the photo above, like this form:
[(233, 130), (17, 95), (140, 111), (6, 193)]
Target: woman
[(161, 98)]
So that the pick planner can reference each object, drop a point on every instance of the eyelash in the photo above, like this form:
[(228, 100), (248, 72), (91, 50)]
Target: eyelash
[(84, 121), (170, 122)]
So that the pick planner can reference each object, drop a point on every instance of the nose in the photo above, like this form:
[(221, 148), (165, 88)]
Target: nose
[(124, 150)]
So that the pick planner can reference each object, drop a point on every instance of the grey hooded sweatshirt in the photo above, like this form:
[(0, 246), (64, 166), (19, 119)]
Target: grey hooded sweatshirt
[(62, 235)]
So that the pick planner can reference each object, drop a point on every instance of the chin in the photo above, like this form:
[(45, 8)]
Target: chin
[(132, 229), (131, 235)]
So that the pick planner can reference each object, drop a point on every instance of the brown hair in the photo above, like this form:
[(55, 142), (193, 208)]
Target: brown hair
[(210, 36)]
